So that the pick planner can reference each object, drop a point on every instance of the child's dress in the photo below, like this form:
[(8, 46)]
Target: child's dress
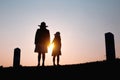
[(57, 46)]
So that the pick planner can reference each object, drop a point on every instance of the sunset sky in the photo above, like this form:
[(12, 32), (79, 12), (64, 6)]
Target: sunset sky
[(82, 24)]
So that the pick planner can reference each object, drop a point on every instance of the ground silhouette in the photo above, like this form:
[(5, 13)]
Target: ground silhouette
[(90, 70)]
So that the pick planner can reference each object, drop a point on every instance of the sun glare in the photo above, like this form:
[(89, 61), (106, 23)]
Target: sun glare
[(50, 47)]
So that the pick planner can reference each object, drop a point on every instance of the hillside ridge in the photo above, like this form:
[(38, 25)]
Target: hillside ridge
[(101, 69)]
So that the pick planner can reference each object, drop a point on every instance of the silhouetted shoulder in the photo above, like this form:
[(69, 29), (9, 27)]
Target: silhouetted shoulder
[(47, 29)]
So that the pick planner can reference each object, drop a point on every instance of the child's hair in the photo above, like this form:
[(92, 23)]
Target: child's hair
[(57, 34)]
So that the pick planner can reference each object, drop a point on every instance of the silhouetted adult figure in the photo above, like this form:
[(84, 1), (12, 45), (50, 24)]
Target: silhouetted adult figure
[(42, 40), (56, 52)]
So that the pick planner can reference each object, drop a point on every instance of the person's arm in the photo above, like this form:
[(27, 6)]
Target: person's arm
[(47, 37), (36, 37)]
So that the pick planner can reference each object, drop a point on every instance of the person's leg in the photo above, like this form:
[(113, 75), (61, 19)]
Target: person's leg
[(39, 57), (43, 58), (54, 60), (58, 58)]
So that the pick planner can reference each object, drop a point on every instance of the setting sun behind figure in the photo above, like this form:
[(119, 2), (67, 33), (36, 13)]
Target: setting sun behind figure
[(50, 47)]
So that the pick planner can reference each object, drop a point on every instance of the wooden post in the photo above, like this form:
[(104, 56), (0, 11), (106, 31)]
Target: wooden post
[(16, 58)]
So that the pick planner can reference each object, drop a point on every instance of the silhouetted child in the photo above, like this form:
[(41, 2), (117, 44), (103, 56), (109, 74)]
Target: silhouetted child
[(56, 52)]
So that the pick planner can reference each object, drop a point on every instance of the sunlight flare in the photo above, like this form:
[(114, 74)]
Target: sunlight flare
[(50, 48)]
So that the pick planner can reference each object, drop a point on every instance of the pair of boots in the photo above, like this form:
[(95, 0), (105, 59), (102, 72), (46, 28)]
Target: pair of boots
[(55, 64), (39, 64)]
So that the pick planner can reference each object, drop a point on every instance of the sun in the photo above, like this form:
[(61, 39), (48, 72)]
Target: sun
[(50, 47)]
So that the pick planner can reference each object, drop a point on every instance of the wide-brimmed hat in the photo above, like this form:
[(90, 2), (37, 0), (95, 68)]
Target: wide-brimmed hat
[(43, 24)]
